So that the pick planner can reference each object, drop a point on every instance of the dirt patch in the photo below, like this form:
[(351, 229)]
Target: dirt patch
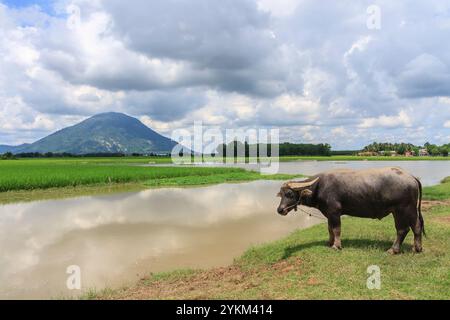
[(287, 266), (200, 285), (313, 281), (428, 204), (213, 283), (445, 220)]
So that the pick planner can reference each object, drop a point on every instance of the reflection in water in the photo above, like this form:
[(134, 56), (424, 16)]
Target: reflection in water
[(117, 239), (429, 172)]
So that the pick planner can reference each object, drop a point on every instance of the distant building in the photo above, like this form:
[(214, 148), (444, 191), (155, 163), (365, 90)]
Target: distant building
[(409, 154), (423, 152)]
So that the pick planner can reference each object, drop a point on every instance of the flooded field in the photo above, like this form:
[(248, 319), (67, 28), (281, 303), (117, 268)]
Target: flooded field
[(429, 172), (117, 239)]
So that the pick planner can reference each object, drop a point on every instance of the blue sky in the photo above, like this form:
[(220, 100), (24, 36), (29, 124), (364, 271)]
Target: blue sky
[(343, 72), (44, 4)]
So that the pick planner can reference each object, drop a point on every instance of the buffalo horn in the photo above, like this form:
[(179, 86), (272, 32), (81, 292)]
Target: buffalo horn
[(296, 185)]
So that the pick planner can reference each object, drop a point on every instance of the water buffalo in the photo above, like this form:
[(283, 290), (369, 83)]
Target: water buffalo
[(371, 193)]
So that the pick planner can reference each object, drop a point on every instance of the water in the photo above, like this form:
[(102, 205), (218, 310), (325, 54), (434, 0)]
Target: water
[(117, 239), (429, 172)]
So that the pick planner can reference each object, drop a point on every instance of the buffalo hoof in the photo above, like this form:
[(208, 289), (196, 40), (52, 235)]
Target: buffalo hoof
[(335, 247), (393, 251), (417, 250)]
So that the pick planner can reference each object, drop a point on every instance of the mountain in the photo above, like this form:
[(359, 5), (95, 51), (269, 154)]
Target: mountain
[(14, 149), (4, 148), (103, 133)]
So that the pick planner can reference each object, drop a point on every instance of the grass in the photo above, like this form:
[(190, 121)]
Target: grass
[(300, 266), (25, 180), (30, 175), (438, 192), (67, 192), (233, 175)]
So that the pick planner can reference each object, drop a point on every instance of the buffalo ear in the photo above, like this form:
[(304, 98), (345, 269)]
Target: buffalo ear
[(306, 196)]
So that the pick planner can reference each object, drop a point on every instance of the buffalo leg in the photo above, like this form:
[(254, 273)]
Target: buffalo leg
[(417, 230), (402, 227), (416, 227), (331, 235), (334, 222)]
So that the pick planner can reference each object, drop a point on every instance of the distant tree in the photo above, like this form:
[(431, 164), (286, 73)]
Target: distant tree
[(401, 149), (434, 150), (344, 152), (7, 156), (285, 149), (431, 148)]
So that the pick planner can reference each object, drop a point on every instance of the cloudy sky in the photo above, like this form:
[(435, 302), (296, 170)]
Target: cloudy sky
[(321, 71)]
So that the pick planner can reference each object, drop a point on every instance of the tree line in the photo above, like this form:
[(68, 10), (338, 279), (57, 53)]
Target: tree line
[(284, 149), (9, 155), (402, 148)]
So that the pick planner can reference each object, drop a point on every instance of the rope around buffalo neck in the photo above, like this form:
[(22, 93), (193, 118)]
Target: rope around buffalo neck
[(308, 213), (311, 214)]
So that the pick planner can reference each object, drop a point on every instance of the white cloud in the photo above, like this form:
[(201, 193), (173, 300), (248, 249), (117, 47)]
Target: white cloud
[(398, 121), (310, 68), (278, 7), (339, 131)]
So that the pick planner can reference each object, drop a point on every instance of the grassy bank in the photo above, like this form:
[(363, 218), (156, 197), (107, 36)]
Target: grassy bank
[(300, 266), (438, 192), (32, 174), (34, 179), (68, 192), (25, 180)]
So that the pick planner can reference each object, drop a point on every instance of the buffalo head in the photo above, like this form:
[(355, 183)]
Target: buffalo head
[(294, 193)]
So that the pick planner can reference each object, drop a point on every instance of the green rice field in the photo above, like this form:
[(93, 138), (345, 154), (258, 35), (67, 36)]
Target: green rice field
[(50, 173)]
